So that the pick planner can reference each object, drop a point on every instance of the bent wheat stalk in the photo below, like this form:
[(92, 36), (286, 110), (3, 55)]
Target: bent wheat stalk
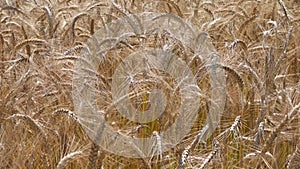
[(66, 159)]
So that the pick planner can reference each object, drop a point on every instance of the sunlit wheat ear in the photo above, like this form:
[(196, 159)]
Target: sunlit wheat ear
[(260, 133), (234, 128), (66, 159), (199, 137), (67, 112), (74, 49), (294, 160), (66, 58), (159, 144), (239, 43), (184, 157), (208, 159), (32, 123), (216, 149)]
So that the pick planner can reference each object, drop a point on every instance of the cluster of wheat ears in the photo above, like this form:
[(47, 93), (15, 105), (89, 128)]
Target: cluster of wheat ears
[(257, 42)]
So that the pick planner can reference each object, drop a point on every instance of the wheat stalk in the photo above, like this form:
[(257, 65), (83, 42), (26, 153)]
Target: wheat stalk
[(208, 159), (28, 42), (40, 42), (175, 6), (294, 160), (287, 119), (66, 159), (50, 20)]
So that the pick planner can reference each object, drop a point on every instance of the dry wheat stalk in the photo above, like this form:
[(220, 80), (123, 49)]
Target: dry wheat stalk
[(33, 123), (199, 137), (294, 160), (287, 119), (66, 159), (50, 20), (257, 32), (28, 42), (208, 159), (175, 6)]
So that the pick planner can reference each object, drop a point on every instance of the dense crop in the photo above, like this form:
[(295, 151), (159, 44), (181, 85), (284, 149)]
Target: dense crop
[(257, 42)]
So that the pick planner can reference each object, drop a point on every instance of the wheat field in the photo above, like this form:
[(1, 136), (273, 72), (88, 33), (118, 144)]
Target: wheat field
[(257, 42)]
